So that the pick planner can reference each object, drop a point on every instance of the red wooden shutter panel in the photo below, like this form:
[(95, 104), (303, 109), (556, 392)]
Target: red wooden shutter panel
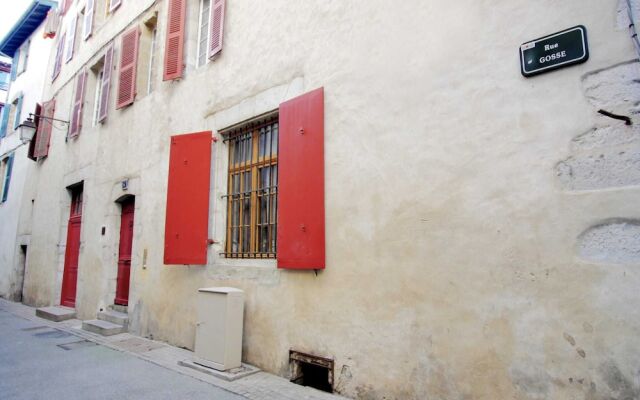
[(44, 129), (128, 64), (32, 143), (216, 27), (106, 84), (301, 241), (76, 114), (187, 222), (174, 46)]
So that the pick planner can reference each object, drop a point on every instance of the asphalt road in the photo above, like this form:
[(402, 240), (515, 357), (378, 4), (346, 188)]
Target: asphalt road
[(38, 362)]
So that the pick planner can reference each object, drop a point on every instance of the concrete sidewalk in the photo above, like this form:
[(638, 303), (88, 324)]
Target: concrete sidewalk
[(160, 376)]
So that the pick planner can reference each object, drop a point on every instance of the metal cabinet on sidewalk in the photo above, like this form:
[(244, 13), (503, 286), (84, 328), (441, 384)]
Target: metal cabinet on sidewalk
[(219, 327)]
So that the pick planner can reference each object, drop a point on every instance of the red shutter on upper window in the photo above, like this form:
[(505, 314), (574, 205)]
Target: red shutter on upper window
[(32, 143), (301, 241), (76, 113), (106, 84), (44, 129), (216, 27), (187, 221), (174, 46), (88, 19), (128, 64)]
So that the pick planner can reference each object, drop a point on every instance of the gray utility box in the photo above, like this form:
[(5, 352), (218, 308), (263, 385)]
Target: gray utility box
[(219, 328)]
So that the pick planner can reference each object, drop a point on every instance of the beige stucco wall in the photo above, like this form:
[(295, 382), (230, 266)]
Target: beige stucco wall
[(459, 256), (29, 84)]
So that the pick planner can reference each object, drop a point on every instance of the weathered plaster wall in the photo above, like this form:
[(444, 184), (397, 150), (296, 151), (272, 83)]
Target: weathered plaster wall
[(29, 84), (459, 248)]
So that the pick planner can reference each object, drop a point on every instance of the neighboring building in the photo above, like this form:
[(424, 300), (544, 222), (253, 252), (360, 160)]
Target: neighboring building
[(379, 178), (23, 82)]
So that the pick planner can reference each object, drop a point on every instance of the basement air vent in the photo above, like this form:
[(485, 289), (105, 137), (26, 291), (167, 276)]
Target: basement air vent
[(310, 370)]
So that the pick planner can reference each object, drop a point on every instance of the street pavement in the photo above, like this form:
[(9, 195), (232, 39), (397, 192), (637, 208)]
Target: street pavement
[(41, 362)]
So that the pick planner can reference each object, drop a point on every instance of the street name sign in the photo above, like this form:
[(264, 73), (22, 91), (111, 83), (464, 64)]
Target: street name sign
[(559, 50)]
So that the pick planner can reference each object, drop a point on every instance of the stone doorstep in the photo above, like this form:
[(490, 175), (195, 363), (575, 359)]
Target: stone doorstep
[(56, 313), (229, 375), (114, 317), (119, 308), (104, 328)]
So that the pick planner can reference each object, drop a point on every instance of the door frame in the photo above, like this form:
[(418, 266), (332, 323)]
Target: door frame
[(74, 216)]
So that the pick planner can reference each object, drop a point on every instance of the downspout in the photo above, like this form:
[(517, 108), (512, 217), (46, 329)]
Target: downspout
[(632, 28)]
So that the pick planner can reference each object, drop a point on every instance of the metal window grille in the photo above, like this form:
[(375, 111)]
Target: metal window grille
[(252, 190)]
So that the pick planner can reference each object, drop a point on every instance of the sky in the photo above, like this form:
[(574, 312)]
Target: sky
[(11, 11)]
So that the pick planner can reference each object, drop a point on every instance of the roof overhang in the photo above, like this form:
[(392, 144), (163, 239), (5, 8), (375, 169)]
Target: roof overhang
[(26, 25)]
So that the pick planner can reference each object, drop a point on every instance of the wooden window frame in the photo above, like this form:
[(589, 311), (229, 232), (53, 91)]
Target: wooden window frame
[(253, 193)]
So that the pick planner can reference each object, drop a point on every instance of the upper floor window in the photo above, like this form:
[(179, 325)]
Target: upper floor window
[(112, 5), (4, 80), (23, 57), (203, 32), (6, 165)]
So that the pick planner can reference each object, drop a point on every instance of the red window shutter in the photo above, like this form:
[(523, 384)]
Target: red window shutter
[(187, 222), (76, 114), (88, 20), (301, 241), (106, 84), (174, 46), (128, 64), (216, 27), (32, 143), (44, 129)]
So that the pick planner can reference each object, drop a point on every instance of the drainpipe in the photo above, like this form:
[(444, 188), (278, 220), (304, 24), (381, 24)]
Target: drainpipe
[(632, 28)]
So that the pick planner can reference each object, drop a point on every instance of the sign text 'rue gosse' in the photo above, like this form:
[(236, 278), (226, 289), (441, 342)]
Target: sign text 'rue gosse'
[(558, 50)]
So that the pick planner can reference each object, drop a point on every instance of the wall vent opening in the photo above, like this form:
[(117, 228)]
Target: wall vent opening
[(312, 371)]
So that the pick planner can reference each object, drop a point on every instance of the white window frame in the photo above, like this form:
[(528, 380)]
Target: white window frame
[(23, 57), (152, 56), (96, 100), (111, 7), (200, 33)]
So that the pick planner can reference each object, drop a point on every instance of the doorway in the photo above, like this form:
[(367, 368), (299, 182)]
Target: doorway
[(72, 252), (22, 263), (124, 252)]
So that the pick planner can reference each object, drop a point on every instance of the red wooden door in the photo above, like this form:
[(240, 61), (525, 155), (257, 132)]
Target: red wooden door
[(72, 252), (124, 257)]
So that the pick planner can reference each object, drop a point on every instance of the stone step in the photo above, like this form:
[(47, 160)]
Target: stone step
[(119, 308), (104, 328), (56, 313), (114, 317)]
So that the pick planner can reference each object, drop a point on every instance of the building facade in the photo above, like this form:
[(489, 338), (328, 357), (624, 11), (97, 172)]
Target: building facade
[(24, 85), (387, 188)]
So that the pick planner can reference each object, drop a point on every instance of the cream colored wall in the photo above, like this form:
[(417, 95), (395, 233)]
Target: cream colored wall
[(30, 85), (453, 268)]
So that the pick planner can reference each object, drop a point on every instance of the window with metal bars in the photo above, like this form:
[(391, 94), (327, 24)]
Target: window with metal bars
[(252, 190)]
